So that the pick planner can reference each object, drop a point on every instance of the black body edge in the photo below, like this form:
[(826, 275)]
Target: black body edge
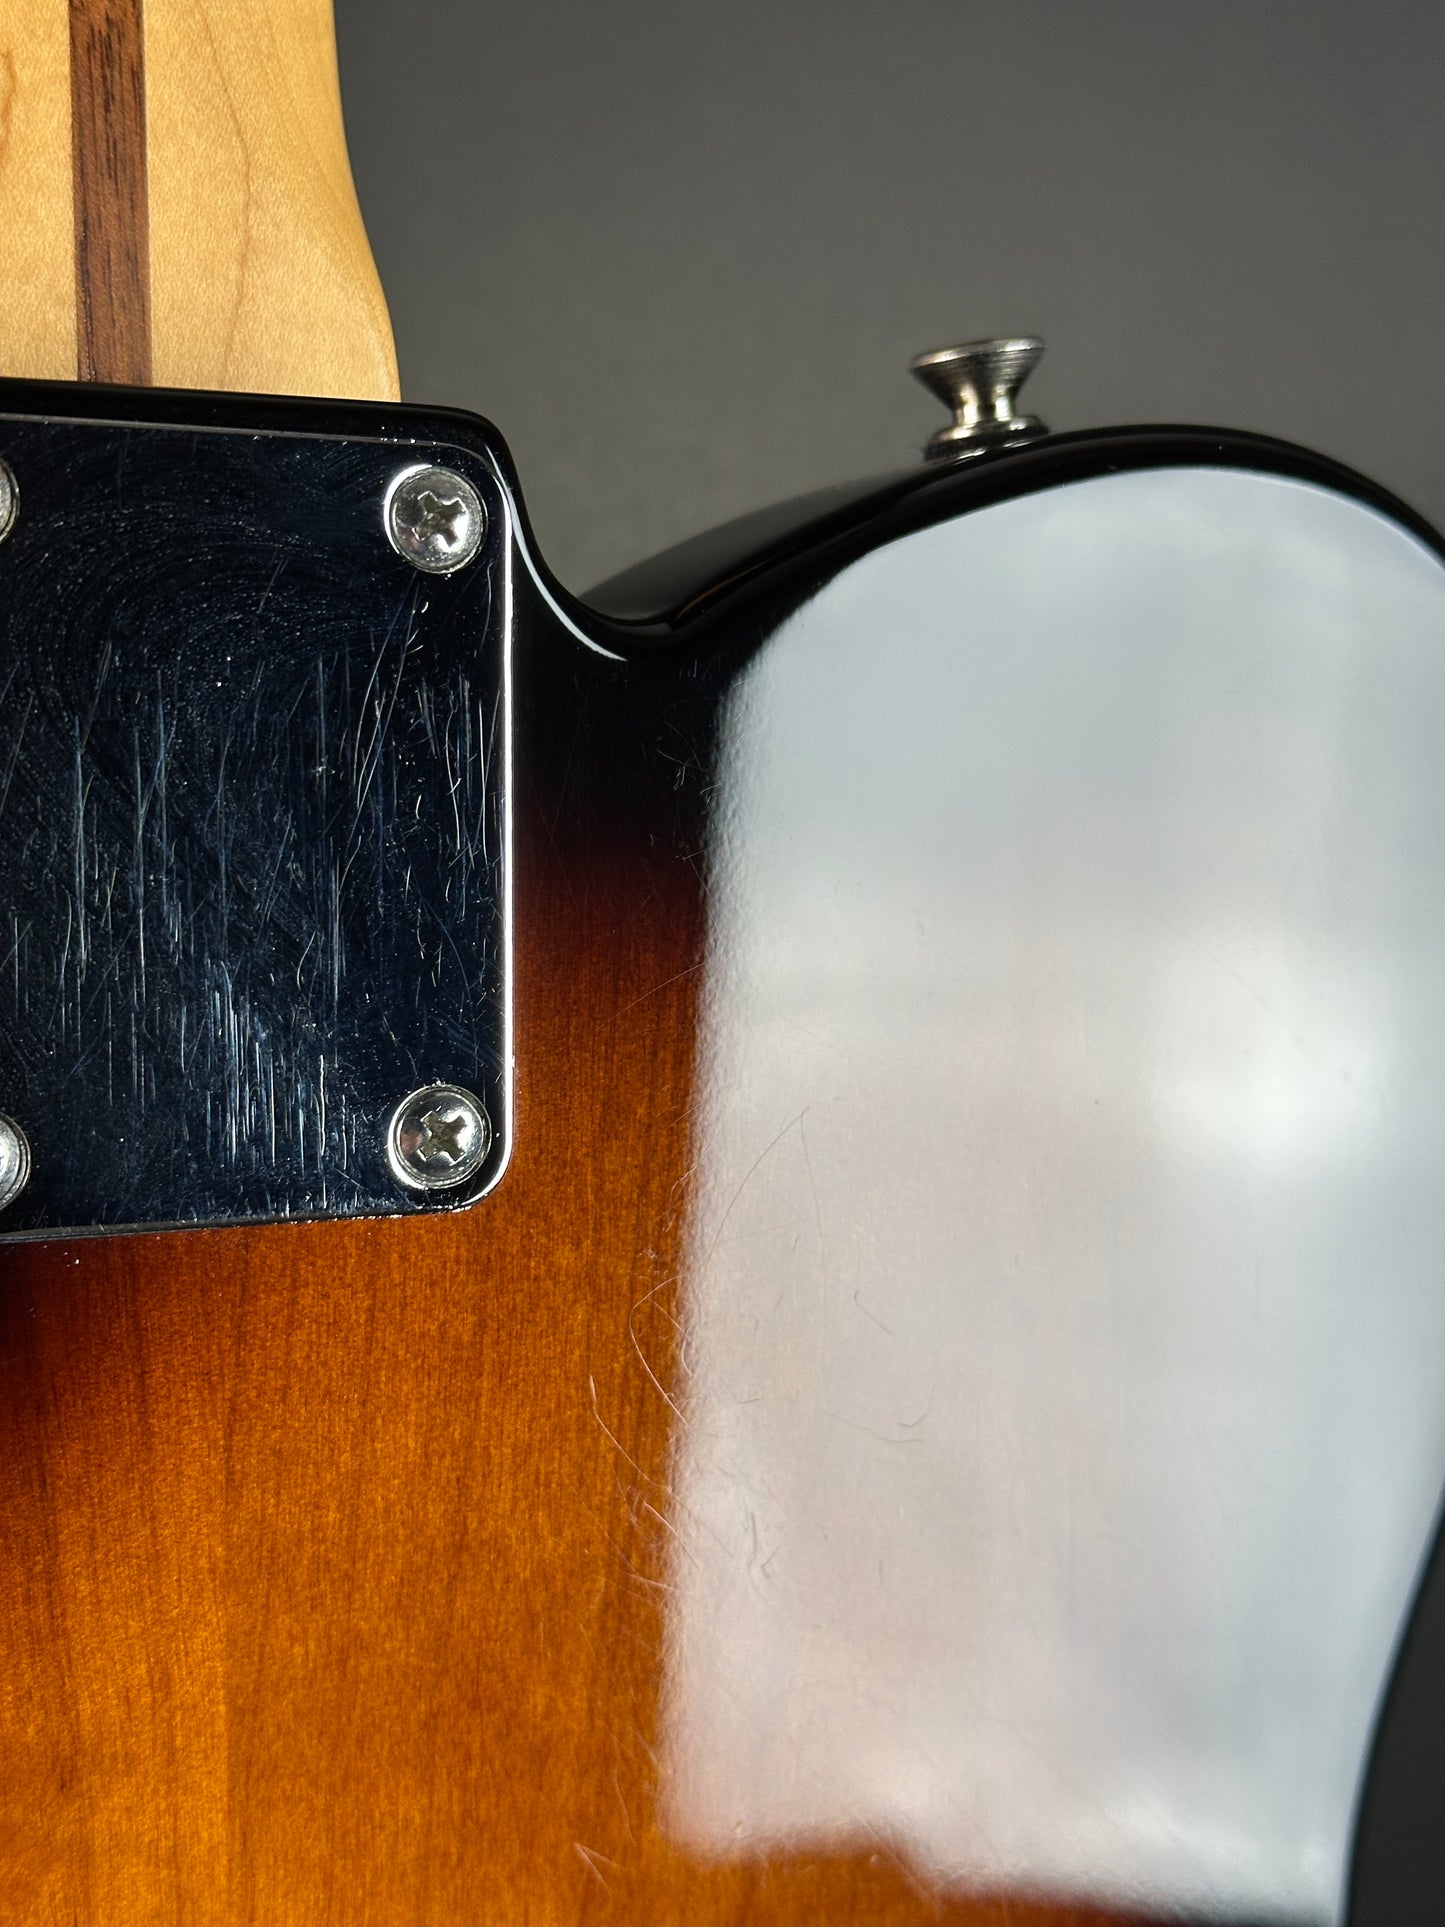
[(761, 565)]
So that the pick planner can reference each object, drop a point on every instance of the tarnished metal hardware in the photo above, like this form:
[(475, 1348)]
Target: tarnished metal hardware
[(979, 382), (14, 1161), (438, 1138), (434, 517), (9, 499), (253, 815)]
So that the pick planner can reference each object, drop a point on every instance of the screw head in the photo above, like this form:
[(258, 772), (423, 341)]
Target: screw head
[(434, 517), (9, 499), (14, 1161), (437, 1138)]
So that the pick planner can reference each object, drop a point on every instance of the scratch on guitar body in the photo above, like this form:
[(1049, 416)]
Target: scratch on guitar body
[(594, 1862)]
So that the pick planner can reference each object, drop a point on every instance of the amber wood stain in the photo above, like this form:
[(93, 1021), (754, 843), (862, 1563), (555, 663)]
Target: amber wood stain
[(333, 1559), (333, 1570)]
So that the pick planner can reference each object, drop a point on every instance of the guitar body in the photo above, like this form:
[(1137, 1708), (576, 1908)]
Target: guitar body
[(940, 1416)]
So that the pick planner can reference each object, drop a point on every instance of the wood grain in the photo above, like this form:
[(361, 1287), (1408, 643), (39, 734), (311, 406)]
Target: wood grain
[(108, 158), (260, 277), (37, 202)]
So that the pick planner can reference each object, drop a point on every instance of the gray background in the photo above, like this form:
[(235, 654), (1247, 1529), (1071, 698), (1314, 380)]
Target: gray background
[(680, 255)]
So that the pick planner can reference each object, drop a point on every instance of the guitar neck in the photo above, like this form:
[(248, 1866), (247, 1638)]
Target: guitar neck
[(176, 202)]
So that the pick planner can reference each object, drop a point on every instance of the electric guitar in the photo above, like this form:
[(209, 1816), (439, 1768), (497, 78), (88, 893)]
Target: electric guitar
[(764, 1246)]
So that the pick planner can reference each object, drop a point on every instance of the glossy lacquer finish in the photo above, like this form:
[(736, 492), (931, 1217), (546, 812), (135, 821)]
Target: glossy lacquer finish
[(938, 1419), (1064, 1405)]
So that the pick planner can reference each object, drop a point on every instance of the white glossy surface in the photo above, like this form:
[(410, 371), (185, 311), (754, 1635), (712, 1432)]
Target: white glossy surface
[(1066, 1311)]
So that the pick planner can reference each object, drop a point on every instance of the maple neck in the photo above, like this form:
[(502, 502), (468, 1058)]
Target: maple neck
[(176, 202)]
